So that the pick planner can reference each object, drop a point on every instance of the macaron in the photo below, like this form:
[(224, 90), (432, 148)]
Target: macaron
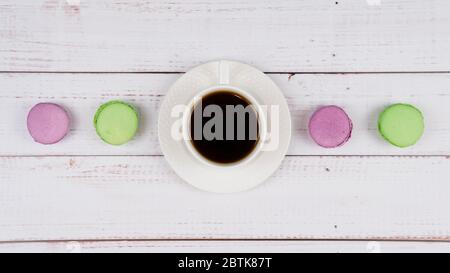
[(116, 122), (48, 123), (401, 124), (330, 126)]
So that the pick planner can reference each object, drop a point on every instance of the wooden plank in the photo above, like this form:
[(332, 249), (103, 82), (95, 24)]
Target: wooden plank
[(97, 198), (362, 95), (276, 36), (290, 246)]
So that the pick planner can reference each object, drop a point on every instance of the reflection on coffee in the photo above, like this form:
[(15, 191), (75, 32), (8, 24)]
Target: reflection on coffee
[(224, 127)]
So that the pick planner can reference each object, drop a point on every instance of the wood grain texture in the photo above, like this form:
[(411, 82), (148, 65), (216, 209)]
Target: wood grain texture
[(92, 198), (363, 96), (277, 36), (82, 189), (290, 246)]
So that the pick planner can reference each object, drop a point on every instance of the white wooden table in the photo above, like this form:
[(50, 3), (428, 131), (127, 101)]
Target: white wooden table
[(83, 195)]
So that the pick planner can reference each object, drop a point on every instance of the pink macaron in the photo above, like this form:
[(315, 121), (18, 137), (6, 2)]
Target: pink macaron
[(330, 126), (48, 123)]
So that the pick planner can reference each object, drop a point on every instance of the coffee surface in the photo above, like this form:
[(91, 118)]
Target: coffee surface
[(232, 141)]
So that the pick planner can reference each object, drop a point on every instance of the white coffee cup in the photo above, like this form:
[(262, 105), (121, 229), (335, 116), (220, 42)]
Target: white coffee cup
[(224, 86)]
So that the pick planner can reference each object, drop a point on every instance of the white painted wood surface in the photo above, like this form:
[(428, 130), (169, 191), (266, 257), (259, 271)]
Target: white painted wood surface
[(82, 189), (362, 95), (290, 246), (117, 197), (277, 36)]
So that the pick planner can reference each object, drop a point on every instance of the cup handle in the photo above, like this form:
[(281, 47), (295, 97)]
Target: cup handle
[(224, 73)]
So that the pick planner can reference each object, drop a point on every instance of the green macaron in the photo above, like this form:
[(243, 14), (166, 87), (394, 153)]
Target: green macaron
[(116, 122), (401, 124)]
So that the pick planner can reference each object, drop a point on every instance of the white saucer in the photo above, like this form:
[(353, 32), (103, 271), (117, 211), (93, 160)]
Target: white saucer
[(222, 179)]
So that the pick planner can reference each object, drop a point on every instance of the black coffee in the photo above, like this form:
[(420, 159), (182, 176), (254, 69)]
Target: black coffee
[(224, 127)]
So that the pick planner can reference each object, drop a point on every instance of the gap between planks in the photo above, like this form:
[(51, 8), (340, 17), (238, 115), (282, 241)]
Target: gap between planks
[(324, 155), (290, 246), (381, 239), (266, 72)]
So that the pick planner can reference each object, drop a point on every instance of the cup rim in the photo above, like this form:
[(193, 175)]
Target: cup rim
[(262, 128)]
